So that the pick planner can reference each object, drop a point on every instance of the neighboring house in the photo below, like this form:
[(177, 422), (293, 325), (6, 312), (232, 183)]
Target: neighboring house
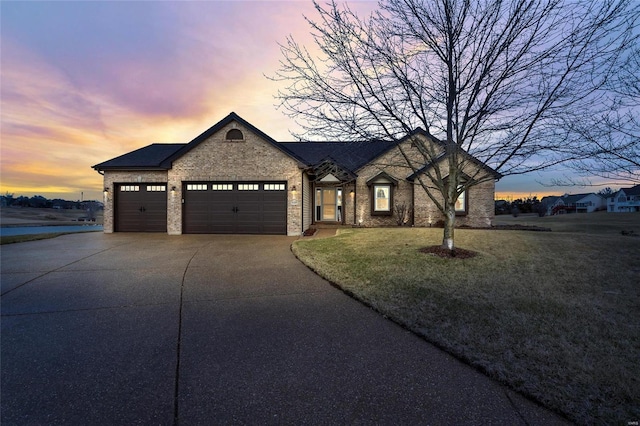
[(591, 203), (625, 200), (548, 202), (233, 178), (578, 203)]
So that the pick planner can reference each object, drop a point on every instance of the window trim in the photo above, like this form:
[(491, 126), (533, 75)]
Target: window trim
[(374, 198), (465, 210)]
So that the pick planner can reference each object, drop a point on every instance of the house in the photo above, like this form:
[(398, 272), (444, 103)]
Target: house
[(591, 203), (625, 200), (578, 203), (548, 202), (233, 178)]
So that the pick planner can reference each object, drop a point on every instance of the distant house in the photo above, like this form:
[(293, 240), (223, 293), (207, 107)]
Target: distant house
[(578, 203), (548, 202), (591, 203), (625, 200)]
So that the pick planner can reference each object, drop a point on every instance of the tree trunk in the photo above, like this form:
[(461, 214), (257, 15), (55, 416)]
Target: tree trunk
[(450, 204), (449, 223)]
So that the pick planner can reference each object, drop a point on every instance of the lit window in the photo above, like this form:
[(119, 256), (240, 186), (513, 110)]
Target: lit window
[(248, 187), (274, 186), (156, 188), (222, 187), (129, 188), (196, 187), (461, 203), (382, 198)]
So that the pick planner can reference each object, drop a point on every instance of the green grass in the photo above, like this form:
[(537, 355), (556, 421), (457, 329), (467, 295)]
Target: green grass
[(555, 315)]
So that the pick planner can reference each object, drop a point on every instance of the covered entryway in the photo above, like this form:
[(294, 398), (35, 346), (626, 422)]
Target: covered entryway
[(141, 207), (235, 208)]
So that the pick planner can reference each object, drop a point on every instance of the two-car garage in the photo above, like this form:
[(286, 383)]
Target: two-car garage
[(207, 208)]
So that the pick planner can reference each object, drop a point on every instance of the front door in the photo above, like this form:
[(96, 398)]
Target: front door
[(328, 204)]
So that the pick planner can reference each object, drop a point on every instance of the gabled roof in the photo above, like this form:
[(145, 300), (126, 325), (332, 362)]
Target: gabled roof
[(345, 157), (216, 128), (634, 190), (150, 157), (422, 132), (569, 199)]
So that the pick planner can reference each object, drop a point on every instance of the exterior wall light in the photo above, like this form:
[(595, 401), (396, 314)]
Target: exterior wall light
[(173, 189), (293, 188)]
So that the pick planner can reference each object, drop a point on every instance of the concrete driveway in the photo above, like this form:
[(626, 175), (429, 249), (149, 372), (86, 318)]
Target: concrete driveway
[(209, 329)]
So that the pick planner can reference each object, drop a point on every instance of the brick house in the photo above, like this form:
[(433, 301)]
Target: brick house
[(233, 178)]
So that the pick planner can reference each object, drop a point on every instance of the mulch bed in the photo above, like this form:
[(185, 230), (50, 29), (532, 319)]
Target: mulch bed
[(456, 253), (309, 232)]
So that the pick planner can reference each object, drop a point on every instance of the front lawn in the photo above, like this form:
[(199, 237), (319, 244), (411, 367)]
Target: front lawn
[(555, 315)]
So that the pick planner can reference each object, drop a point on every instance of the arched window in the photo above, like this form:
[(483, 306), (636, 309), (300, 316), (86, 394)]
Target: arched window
[(234, 135)]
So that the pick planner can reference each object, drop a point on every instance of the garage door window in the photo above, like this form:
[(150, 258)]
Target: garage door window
[(196, 187), (156, 188), (248, 187), (129, 188), (222, 187), (274, 186)]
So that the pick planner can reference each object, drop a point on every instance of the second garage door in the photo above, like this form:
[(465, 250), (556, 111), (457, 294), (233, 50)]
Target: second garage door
[(235, 208)]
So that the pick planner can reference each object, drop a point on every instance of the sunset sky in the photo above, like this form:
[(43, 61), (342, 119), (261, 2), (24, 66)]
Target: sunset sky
[(83, 82)]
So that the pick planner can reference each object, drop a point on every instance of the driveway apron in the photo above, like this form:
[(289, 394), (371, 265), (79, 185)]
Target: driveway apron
[(211, 329)]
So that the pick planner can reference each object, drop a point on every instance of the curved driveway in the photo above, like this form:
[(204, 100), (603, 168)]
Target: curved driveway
[(210, 329)]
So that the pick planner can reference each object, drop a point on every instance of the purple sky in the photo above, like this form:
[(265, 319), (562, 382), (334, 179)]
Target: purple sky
[(83, 82)]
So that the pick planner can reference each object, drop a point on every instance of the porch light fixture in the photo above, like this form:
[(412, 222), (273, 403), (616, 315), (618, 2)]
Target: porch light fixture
[(351, 193), (293, 188), (173, 189)]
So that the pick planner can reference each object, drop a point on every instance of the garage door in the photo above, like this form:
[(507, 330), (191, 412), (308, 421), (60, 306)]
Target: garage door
[(235, 208), (141, 207)]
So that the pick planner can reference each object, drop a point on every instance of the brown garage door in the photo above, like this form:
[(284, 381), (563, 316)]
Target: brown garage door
[(141, 207), (235, 208)]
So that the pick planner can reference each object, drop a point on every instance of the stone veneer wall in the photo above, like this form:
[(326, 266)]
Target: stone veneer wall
[(251, 159), (480, 197), (113, 178), (480, 202), (393, 164)]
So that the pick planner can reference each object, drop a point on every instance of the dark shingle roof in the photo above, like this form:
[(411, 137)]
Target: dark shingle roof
[(634, 190), (350, 155), (149, 157)]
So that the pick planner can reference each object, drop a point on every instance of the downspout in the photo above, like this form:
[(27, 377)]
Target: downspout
[(355, 197), (302, 203), (413, 203)]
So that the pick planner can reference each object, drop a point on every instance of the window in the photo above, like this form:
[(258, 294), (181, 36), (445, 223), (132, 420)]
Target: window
[(130, 188), (461, 205), (156, 188), (248, 187), (382, 198), (274, 186), (196, 187), (234, 135), (381, 188), (222, 187)]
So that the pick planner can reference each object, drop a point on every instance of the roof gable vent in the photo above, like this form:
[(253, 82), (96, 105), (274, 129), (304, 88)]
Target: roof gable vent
[(234, 135)]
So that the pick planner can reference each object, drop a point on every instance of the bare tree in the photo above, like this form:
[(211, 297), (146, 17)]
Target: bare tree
[(495, 79), (614, 136)]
